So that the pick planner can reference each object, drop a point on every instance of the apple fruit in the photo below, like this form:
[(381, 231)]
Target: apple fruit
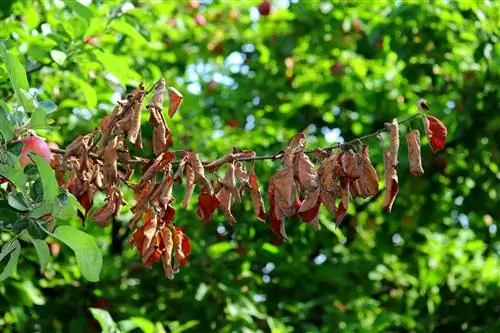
[(34, 144), (265, 8)]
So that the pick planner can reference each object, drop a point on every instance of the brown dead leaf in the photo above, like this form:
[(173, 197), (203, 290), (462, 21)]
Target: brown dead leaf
[(414, 157), (175, 101), (368, 178), (306, 173), (166, 250), (256, 195), (394, 134), (110, 157), (391, 181)]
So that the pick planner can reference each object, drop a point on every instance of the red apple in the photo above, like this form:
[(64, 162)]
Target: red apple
[(337, 68), (34, 144), (55, 248), (265, 8), (200, 20)]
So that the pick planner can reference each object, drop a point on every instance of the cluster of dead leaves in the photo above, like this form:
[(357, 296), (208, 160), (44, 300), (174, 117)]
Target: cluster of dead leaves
[(101, 160)]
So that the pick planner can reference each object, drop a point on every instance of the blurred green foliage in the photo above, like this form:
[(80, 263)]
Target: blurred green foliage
[(340, 69)]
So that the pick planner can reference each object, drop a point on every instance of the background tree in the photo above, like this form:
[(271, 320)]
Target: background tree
[(252, 75)]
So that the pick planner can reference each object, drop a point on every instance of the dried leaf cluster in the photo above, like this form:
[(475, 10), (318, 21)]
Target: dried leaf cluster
[(100, 161)]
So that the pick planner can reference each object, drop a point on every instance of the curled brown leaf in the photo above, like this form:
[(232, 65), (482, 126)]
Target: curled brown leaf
[(391, 181), (175, 101), (394, 135), (414, 157)]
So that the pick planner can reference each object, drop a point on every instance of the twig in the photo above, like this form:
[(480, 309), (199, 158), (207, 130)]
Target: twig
[(276, 156)]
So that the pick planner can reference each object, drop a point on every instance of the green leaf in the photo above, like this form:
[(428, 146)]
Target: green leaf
[(8, 216), (80, 10), (48, 106), (113, 64), (18, 202), (68, 209), (35, 230), (87, 90), (127, 29), (107, 323), (13, 248), (38, 119), (220, 248), (42, 250), (270, 248), (12, 170), (88, 255), (6, 130), (58, 56), (17, 75), (143, 324), (48, 177)]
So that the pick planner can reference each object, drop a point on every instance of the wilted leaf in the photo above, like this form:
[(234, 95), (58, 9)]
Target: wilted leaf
[(391, 181), (394, 135), (306, 173), (368, 177), (207, 204), (175, 101), (257, 200), (309, 208), (166, 250), (436, 131), (414, 157)]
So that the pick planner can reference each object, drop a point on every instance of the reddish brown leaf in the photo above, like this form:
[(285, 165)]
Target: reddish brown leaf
[(343, 205), (110, 209), (391, 181), (275, 214), (158, 164), (436, 131), (207, 204), (257, 200), (181, 243), (306, 173), (367, 173), (134, 133), (225, 198), (190, 183), (175, 101), (110, 157), (394, 134), (414, 157), (309, 208), (166, 250)]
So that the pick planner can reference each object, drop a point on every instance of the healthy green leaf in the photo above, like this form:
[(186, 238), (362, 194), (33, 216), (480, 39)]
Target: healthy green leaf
[(127, 29), (48, 177), (58, 56), (17, 75), (80, 9), (42, 250), (131, 324), (13, 249), (107, 323), (88, 255), (220, 248), (6, 129), (18, 202)]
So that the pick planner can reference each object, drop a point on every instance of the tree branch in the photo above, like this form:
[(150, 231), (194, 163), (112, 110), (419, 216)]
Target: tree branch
[(276, 156)]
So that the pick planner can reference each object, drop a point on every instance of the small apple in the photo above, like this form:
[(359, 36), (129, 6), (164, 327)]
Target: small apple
[(34, 144), (54, 248), (200, 20), (233, 123), (336, 68), (91, 40), (265, 8)]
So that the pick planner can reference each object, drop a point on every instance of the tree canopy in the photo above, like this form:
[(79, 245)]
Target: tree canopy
[(254, 73)]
